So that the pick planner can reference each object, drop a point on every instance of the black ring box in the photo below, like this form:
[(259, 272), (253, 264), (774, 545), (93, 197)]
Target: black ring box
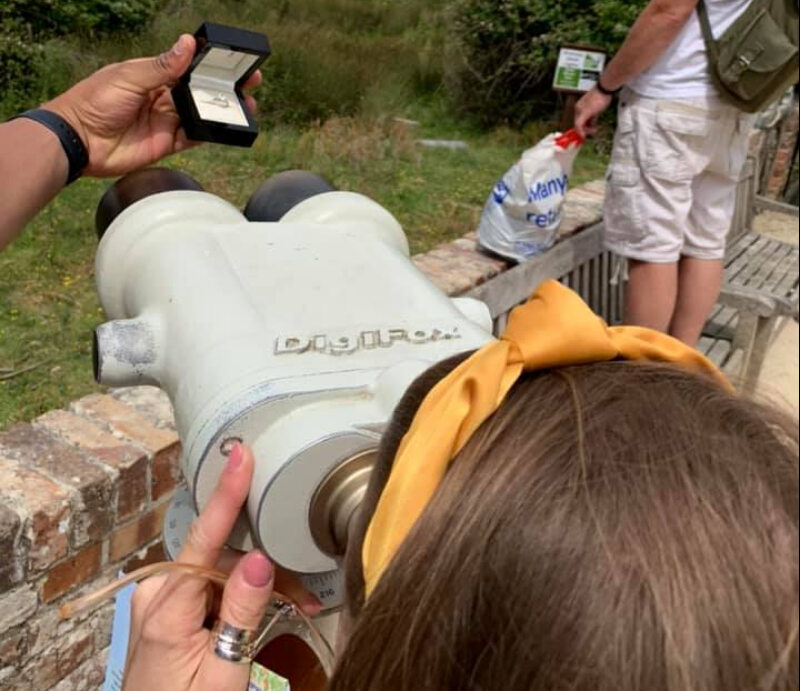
[(208, 97)]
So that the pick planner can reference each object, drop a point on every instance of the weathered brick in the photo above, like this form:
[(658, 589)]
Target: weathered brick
[(128, 460), (133, 536), (92, 513), (74, 649), (12, 557), (13, 646), (88, 677), (72, 572), (147, 555), (162, 444), (166, 472), (48, 629), (41, 673), (125, 421), (43, 508), (100, 625), (150, 402), (8, 675), (16, 606)]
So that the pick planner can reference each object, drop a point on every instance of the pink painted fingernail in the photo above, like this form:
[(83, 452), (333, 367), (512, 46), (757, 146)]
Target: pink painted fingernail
[(257, 570), (312, 606), (235, 458)]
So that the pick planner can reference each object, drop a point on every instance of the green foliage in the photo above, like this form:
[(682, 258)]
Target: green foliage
[(330, 57), (46, 18), (26, 26), (509, 48), (18, 63)]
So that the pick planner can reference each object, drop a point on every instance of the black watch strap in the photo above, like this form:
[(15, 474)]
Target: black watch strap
[(74, 148), (603, 90)]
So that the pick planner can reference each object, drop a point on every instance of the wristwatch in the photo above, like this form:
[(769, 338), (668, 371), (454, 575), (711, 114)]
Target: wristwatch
[(603, 90), (74, 148)]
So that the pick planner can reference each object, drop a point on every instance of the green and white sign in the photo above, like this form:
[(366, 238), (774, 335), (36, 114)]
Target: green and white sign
[(578, 69)]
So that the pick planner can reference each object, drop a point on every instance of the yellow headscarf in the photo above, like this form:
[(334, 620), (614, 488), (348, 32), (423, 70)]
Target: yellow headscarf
[(555, 328)]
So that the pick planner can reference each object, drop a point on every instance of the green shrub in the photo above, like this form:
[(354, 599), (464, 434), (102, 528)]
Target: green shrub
[(27, 25), (47, 18), (508, 50), (330, 57)]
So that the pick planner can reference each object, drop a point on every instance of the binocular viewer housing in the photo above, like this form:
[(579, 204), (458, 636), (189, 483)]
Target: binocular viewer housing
[(294, 327)]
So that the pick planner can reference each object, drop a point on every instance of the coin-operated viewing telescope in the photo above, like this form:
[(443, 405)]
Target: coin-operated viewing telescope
[(294, 327)]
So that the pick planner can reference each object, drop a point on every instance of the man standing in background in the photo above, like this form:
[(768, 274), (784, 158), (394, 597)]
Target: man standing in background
[(678, 152)]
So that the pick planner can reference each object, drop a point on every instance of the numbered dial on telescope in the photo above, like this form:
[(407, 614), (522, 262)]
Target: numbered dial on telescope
[(328, 587)]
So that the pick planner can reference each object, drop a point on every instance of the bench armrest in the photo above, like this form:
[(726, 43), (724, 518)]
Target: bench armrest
[(749, 300)]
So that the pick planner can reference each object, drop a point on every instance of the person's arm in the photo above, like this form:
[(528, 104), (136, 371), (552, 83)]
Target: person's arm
[(653, 32), (33, 168), (125, 118)]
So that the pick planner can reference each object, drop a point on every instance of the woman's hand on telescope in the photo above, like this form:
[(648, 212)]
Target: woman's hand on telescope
[(124, 112), (169, 646)]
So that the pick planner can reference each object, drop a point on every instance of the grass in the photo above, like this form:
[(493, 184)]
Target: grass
[(331, 110)]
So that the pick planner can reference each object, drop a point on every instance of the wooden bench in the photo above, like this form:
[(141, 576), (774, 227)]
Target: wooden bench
[(760, 289)]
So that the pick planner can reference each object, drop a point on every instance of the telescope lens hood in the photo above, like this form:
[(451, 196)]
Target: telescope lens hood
[(274, 197), (136, 186)]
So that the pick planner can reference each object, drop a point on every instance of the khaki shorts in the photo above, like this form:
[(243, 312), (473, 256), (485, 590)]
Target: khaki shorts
[(672, 179)]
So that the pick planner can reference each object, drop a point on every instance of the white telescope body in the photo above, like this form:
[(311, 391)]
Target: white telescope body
[(297, 337)]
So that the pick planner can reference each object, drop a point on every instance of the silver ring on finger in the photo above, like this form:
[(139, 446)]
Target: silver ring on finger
[(231, 643)]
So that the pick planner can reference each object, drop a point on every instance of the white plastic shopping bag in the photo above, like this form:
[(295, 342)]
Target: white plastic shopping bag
[(523, 212)]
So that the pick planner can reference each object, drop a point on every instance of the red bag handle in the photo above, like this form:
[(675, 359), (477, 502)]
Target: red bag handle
[(569, 138)]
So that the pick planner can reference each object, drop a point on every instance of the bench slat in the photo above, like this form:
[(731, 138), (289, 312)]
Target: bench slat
[(744, 257), (788, 287), (705, 344), (597, 269), (772, 258), (758, 253), (719, 352), (738, 248), (786, 269), (733, 367), (722, 322)]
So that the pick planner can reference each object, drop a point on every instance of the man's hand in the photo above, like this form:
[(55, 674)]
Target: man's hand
[(588, 109), (124, 112)]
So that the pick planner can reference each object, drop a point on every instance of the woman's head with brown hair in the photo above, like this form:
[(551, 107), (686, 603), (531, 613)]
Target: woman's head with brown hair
[(613, 526)]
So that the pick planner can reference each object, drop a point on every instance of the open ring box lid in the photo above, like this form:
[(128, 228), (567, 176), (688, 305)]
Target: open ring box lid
[(209, 97)]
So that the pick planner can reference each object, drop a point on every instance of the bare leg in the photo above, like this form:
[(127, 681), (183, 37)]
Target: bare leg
[(651, 293), (699, 283)]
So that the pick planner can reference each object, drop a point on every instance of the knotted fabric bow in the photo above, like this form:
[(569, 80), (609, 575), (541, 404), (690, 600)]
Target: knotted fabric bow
[(555, 328)]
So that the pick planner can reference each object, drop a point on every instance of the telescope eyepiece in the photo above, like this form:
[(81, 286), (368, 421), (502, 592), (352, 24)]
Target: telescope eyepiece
[(274, 197), (134, 187)]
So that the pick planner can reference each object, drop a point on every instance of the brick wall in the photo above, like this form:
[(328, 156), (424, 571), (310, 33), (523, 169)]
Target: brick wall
[(83, 493), (781, 163), (82, 496)]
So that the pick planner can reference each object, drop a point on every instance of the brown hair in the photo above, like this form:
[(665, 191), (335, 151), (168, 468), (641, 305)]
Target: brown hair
[(612, 527)]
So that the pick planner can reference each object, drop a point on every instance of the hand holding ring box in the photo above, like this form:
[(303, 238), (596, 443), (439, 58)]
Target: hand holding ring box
[(209, 97)]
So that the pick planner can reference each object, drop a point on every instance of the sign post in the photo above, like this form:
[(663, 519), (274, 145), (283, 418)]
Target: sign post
[(577, 71)]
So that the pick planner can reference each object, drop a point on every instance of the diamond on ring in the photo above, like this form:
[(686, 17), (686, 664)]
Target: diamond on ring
[(231, 643)]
